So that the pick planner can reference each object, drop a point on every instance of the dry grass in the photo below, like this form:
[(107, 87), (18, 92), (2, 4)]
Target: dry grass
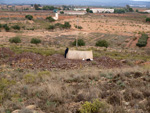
[(120, 88)]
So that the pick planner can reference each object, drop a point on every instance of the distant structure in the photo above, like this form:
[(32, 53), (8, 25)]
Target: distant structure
[(79, 9), (75, 12), (56, 16), (82, 55), (148, 11), (99, 10)]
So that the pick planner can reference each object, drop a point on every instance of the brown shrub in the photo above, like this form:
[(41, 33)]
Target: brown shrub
[(115, 99)]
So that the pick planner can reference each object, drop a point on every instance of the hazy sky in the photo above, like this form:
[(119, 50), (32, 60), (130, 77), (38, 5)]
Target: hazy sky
[(67, 1)]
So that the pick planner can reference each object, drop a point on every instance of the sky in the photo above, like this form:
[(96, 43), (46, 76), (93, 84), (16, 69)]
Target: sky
[(75, 2)]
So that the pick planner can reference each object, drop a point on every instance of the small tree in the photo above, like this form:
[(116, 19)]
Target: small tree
[(102, 43), (6, 28), (29, 17), (67, 25), (61, 12), (50, 19), (35, 41), (147, 19), (80, 42), (137, 10), (15, 40), (88, 9)]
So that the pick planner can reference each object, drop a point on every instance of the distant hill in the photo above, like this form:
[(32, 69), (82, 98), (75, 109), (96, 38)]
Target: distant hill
[(79, 2)]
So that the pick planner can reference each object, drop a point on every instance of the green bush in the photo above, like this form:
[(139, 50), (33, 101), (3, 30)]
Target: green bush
[(16, 27), (29, 17), (51, 27), (1, 25), (80, 42), (78, 27), (142, 42), (15, 40), (147, 19), (137, 10), (102, 43), (50, 19), (35, 41), (67, 25), (94, 107), (119, 11), (61, 12), (6, 27)]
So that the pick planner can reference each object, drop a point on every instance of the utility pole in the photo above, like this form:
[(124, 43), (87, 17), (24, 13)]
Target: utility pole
[(77, 35)]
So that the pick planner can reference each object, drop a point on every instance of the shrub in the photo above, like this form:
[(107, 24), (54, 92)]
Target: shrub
[(16, 27), (80, 42), (35, 41), (102, 43), (67, 25), (137, 10), (119, 11), (44, 73), (15, 40), (147, 19), (29, 78), (78, 27), (51, 27), (50, 19), (29, 17), (61, 12), (142, 42), (1, 25), (95, 107), (6, 27)]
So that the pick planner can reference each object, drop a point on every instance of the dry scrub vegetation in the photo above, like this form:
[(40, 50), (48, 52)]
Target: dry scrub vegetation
[(123, 90), (36, 78)]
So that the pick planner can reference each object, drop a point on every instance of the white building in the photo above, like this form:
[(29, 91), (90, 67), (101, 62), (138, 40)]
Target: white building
[(99, 10), (148, 11), (80, 9), (75, 12), (56, 16)]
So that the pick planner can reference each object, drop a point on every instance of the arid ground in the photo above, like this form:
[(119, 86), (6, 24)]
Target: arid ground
[(36, 78)]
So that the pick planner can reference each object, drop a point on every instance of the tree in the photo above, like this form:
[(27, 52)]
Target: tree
[(147, 19), (88, 9), (129, 9), (29, 17), (137, 10), (61, 12), (48, 7), (36, 6)]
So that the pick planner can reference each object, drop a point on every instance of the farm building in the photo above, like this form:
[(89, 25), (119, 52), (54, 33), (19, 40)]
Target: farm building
[(75, 12), (75, 54), (99, 10), (148, 11), (80, 9)]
